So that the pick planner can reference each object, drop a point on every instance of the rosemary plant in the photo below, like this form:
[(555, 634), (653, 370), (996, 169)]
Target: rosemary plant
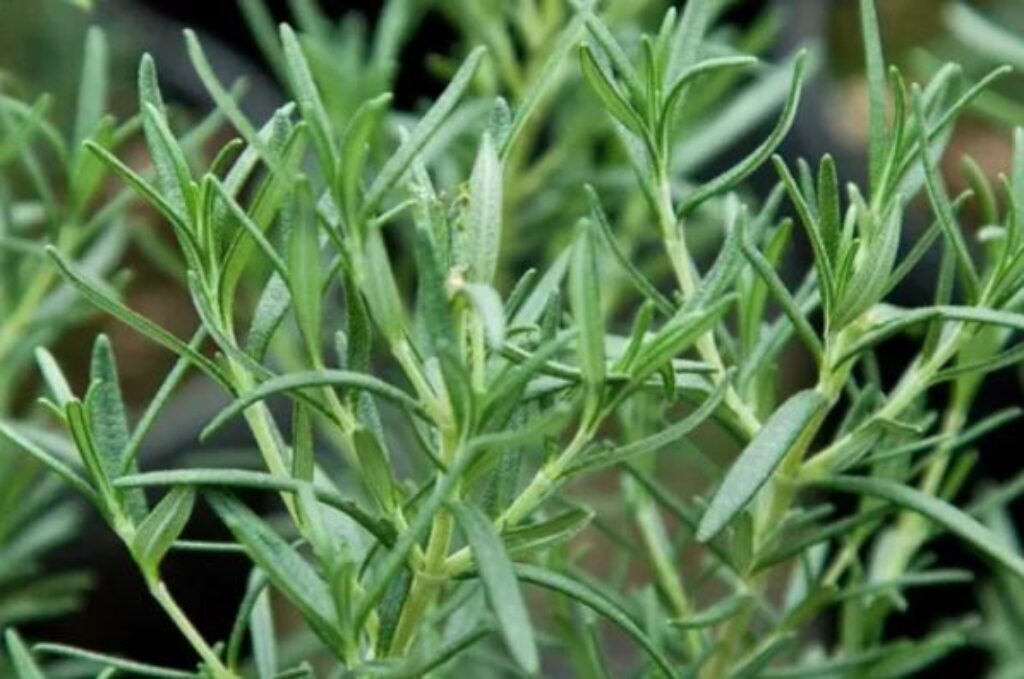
[(603, 427)]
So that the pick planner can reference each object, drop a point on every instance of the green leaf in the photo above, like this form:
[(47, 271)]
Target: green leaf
[(874, 62), (355, 146), (500, 584), (108, 419), (949, 517), (942, 206), (638, 279), (487, 304), (542, 86), (741, 170), (714, 614), (585, 301), (656, 441), (266, 318), (682, 84), (302, 380), (264, 643), (303, 451), (596, 601), (483, 239), (252, 229), (81, 433), (787, 430), (533, 306), (531, 539), (237, 478), (105, 300), (433, 309), (308, 97), (225, 102), (24, 665), (906, 318), (161, 528), (268, 199), (289, 572), (377, 282), (261, 26), (611, 98), (172, 172), (151, 196), (397, 165), (54, 377), (304, 268), (92, 90), (52, 461), (829, 215), (130, 667), (375, 468), (822, 263), (764, 268)]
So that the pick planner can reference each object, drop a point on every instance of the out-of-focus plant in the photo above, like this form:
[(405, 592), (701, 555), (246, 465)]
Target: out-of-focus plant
[(49, 193), (469, 412), (52, 195)]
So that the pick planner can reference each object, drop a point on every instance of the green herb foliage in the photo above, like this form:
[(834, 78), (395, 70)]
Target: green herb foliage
[(539, 357)]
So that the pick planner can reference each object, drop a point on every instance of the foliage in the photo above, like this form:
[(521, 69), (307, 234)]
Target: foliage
[(488, 309)]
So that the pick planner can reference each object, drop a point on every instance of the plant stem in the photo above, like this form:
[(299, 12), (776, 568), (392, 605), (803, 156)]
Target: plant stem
[(181, 621), (543, 482), (427, 581), (686, 277)]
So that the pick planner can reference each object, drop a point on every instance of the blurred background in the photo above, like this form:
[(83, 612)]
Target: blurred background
[(40, 51)]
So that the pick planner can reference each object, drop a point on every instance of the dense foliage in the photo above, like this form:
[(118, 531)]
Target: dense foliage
[(543, 366)]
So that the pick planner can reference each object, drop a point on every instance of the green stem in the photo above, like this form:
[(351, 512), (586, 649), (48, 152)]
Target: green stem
[(181, 621), (547, 478), (686, 277), (427, 581)]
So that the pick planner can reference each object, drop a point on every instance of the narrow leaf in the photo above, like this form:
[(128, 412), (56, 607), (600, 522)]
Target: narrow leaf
[(161, 528), (500, 584), (785, 431)]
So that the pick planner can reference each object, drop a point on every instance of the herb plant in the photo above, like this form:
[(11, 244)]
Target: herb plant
[(497, 467)]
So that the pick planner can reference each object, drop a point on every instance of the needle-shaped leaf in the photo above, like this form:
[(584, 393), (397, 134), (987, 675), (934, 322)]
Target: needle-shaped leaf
[(499, 579), (585, 301), (397, 165), (786, 431), (484, 217), (23, 664), (611, 98), (161, 527), (128, 667), (487, 304), (108, 419), (714, 614), (377, 282), (308, 96), (355, 146), (106, 301), (304, 267), (54, 377), (531, 539), (942, 206), (375, 468), (874, 62), (289, 572), (948, 516), (92, 90), (759, 155), (236, 478), (597, 602), (282, 384)]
